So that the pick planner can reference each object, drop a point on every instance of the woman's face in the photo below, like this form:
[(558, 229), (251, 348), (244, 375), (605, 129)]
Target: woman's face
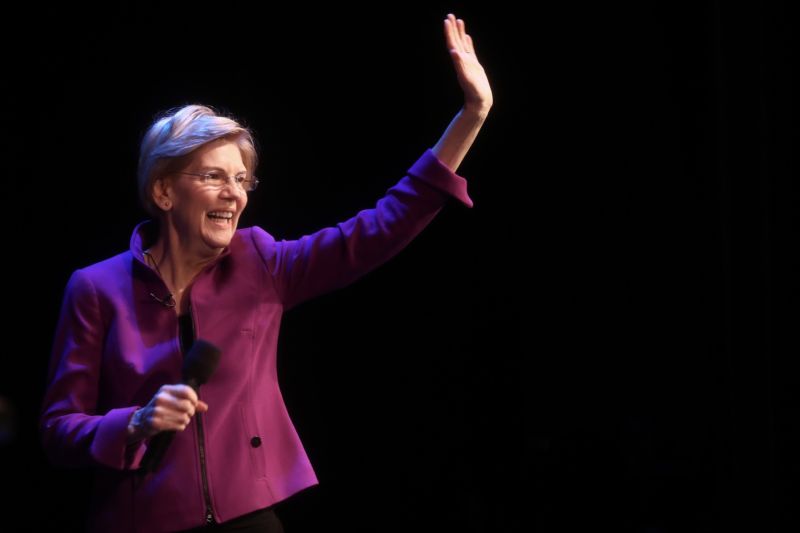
[(204, 217)]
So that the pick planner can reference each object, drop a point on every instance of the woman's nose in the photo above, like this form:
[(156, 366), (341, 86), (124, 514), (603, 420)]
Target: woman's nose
[(231, 188)]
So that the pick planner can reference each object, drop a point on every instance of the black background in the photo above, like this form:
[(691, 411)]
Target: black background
[(607, 339)]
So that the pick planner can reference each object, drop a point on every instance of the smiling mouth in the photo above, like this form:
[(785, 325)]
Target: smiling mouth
[(223, 219)]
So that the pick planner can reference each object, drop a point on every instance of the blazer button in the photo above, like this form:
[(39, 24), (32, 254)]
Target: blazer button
[(255, 442)]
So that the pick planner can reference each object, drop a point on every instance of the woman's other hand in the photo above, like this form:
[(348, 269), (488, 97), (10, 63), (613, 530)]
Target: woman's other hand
[(470, 73)]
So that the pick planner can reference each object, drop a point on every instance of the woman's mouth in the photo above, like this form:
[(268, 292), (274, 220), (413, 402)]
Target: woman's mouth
[(221, 218)]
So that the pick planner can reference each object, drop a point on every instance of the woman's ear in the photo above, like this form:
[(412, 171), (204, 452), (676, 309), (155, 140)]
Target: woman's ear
[(162, 193)]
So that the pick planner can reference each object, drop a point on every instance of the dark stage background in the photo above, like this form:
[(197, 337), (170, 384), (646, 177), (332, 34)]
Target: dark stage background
[(607, 340)]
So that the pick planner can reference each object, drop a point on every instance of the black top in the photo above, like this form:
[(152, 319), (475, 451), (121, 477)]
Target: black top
[(186, 328)]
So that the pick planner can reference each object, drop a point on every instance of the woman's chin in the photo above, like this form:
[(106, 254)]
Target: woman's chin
[(219, 238)]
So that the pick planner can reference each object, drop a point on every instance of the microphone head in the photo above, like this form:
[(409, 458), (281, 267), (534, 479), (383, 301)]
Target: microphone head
[(200, 362)]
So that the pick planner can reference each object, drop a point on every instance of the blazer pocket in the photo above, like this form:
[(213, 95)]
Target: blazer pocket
[(255, 443)]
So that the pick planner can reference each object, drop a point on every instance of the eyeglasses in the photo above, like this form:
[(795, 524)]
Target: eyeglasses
[(217, 180)]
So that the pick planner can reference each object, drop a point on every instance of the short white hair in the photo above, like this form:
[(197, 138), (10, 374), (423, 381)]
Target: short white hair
[(177, 133)]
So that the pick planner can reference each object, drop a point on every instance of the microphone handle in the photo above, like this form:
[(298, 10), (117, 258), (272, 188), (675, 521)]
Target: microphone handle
[(156, 449)]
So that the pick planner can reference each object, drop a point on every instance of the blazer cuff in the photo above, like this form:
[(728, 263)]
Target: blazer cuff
[(110, 446), (429, 169)]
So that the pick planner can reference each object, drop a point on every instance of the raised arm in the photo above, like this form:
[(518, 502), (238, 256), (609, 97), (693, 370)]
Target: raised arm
[(460, 134), (336, 256)]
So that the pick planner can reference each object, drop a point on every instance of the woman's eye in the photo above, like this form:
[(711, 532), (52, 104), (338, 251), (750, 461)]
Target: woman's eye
[(240, 179), (214, 178)]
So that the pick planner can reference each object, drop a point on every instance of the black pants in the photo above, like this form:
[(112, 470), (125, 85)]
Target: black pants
[(261, 521)]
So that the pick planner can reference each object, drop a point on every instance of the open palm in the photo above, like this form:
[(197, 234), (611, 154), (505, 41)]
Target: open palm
[(470, 73)]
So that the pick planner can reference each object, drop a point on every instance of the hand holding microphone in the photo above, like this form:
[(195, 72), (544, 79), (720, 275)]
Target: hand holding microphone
[(173, 406), (171, 409)]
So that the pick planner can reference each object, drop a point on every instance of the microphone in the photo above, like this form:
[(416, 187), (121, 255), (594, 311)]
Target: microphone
[(198, 365)]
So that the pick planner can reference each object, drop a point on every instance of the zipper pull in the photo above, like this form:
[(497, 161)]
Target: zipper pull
[(209, 516)]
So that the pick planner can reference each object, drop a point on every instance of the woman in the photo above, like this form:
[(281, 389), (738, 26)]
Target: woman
[(127, 322)]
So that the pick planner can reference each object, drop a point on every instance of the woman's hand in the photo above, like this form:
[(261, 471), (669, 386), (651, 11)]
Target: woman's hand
[(171, 409), (471, 76)]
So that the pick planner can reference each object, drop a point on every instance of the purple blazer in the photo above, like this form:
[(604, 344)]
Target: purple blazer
[(115, 346)]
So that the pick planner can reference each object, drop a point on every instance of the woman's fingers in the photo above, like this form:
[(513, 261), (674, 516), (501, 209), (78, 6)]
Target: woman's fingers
[(471, 75), (462, 32), (456, 35), (174, 406), (175, 402), (182, 391), (451, 33)]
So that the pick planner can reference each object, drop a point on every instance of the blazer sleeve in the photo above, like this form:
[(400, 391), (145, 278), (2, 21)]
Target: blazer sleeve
[(72, 432), (335, 256)]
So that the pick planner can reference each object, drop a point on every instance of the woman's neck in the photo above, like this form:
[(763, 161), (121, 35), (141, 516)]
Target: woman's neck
[(176, 262)]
